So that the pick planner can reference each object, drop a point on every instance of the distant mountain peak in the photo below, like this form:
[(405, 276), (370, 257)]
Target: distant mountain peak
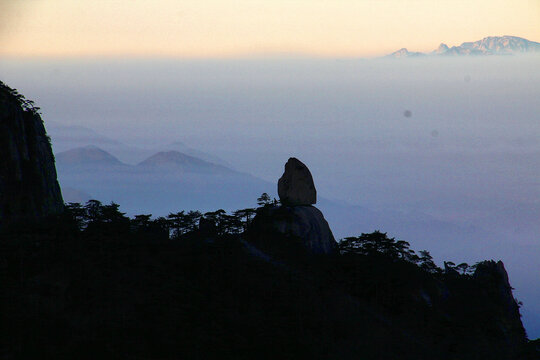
[(184, 149), (89, 154), (168, 157), (442, 48), (176, 160), (403, 52), (491, 45)]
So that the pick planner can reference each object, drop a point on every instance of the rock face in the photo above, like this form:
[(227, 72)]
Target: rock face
[(296, 222), (29, 188), (505, 309), (304, 224), (296, 187)]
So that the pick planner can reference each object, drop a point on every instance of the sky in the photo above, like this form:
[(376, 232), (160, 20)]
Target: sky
[(245, 28)]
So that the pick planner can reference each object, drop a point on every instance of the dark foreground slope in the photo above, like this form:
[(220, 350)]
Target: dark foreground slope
[(28, 185), (121, 291)]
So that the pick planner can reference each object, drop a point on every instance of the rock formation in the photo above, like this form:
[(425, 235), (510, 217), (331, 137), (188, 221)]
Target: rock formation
[(29, 189), (504, 308), (296, 186), (303, 225), (295, 220)]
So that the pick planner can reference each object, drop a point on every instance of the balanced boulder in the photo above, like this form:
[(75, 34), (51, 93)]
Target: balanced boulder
[(296, 224), (296, 187)]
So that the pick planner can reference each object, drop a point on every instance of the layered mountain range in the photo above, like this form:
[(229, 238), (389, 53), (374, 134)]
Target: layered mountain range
[(69, 137), (165, 181), (491, 45), (168, 181)]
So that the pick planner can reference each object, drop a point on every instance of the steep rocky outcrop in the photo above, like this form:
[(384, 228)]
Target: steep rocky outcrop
[(504, 307), (29, 189), (302, 225), (296, 221)]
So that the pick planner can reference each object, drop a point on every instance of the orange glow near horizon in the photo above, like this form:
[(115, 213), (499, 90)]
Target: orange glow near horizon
[(243, 28)]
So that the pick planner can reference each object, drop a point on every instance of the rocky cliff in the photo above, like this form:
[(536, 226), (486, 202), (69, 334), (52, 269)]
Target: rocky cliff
[(29, 189), (304, 226), (503, 307)]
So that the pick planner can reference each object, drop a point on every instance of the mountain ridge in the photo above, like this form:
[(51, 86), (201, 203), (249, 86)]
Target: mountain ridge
[(68, 137), (90, 154), (488, 46), (177, 160)]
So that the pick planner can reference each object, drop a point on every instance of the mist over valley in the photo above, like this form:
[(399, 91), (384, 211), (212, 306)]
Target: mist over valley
[(442, 153)]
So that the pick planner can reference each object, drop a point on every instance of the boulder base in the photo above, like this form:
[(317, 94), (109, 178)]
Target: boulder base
[(296, 187), (303, 223)]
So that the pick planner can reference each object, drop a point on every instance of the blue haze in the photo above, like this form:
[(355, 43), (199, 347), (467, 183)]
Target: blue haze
[(468, 155)]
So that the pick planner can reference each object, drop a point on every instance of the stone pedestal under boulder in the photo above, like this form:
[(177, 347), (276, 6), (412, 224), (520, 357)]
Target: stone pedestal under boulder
[(304, 226)]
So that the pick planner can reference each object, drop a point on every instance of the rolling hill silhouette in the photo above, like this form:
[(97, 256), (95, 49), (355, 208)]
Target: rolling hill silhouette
[(177, 161)]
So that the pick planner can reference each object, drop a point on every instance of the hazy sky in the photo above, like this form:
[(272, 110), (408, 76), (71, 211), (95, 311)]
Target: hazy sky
[(236, 28)]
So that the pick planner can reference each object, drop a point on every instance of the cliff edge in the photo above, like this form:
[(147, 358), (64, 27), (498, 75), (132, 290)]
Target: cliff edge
[(29, 188)]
